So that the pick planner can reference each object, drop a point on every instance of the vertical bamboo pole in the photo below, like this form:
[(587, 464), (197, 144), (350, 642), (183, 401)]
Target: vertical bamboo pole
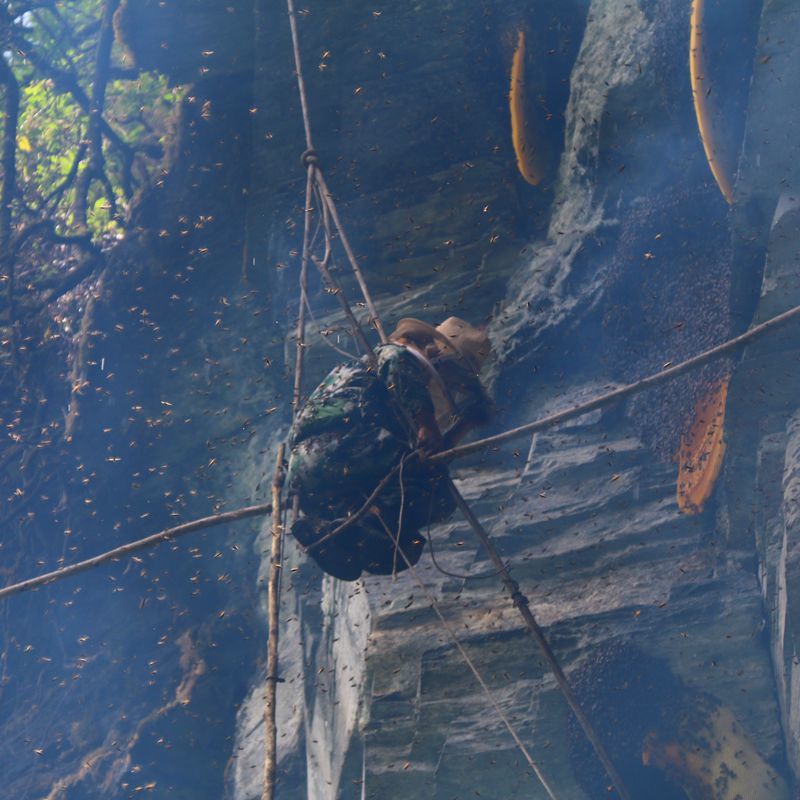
[(273, 607)]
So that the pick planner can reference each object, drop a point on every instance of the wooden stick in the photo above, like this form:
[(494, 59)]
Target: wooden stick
[(624, 391), (521, 602), (140, 544), (273, 611)]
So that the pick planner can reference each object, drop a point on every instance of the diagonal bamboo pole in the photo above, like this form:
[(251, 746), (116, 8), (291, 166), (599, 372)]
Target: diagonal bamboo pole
[(131, 547), (521, 602), (623, 391)]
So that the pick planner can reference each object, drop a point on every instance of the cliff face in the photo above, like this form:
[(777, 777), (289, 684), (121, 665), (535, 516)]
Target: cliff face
[(625, 257), (762, 470)]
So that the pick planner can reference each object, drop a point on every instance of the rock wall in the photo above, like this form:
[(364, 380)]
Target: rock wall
[(624, 258), (762, 467)]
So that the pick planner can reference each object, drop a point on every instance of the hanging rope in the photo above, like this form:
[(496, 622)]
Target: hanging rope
[(328, 199), (300, 334)]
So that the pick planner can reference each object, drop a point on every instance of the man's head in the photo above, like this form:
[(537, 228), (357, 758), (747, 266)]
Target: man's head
[(452, 340)]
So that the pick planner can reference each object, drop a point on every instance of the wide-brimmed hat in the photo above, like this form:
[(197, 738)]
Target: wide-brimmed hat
[(454, 337)]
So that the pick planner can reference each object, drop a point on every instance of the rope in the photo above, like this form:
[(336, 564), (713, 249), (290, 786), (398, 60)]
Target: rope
[(353, 518), (470, 663), (337, 290), (479, 577), (132, 547), (301, 319), (298, 69), (624, 391), (328, 199), (311, 161), (400, 514), (325, 334)]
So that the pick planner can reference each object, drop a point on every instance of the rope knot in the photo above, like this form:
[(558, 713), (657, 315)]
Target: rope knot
[(517, 598), (309, 157)]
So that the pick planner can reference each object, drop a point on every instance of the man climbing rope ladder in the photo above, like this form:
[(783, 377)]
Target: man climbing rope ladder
[(420, 393)]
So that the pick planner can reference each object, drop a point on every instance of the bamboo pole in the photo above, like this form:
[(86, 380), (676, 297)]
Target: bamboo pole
[(139, 544), (273, 612), (628, 390)]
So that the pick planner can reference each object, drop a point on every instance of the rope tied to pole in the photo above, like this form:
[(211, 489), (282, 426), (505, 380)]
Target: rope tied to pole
[(309, 157), (517, 597), (540, 424)]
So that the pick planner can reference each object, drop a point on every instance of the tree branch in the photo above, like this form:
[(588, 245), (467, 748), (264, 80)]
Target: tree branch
[(95, 169), (67, 83), (8, 161), (46, 228), (69, 179), (72, 278)]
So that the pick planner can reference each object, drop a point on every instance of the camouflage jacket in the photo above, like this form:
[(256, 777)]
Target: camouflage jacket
[(356, 396)]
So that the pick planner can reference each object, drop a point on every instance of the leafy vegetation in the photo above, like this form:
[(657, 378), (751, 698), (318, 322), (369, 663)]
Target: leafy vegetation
[(67, 86), (83, 131)]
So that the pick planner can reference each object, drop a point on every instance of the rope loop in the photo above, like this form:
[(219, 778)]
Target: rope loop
[(309, 157)]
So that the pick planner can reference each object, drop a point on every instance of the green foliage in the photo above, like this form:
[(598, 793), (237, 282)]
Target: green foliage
[(55, 66), (51, 127)]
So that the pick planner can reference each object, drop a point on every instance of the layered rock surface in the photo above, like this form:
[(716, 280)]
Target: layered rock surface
[(625, 258), (633, 270)]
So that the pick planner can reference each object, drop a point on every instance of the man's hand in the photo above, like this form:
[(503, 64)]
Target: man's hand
[(429, 440)]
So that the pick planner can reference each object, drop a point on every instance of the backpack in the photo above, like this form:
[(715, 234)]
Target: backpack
[(351, 395)]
